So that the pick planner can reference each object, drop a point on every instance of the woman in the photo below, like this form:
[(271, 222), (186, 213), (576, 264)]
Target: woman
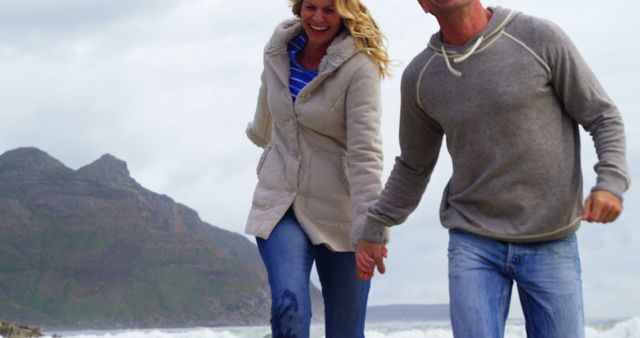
[(317, 118)]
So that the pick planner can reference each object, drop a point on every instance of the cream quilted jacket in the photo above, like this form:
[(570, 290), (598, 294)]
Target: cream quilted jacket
[(323, 154)]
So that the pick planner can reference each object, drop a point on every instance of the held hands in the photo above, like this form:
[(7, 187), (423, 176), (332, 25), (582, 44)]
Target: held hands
[(602, 207), (368, 256)]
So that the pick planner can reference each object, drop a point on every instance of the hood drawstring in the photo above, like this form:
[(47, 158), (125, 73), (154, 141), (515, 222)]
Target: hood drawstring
[(471, 50), (460, 58), (453, 71), (482, 38)]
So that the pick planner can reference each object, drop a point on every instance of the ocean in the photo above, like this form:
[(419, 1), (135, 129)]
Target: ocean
[(624, 328)]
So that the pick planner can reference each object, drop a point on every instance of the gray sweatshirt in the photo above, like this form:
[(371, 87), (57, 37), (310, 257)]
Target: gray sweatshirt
[(509, 102)]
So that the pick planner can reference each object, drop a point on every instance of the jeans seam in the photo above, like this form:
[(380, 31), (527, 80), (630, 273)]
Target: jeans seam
[(508, 269), (501, 314)]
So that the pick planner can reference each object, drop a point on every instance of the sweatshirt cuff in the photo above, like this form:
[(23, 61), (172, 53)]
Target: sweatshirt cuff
[(613, 182), (373, 231)]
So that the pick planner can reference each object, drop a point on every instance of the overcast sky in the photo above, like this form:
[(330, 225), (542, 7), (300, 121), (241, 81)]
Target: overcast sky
[(168, 86)]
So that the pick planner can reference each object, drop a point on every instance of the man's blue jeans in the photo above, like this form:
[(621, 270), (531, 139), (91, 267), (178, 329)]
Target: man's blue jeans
[(288, 256), (481, 274)]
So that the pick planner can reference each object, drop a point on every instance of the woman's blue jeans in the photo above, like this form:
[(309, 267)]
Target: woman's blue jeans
[(288, 256), (481, 274)]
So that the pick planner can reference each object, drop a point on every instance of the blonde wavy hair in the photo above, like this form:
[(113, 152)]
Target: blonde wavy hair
[(362, 27)]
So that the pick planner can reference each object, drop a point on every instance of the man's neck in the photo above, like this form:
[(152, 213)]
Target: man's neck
[(462, 24)]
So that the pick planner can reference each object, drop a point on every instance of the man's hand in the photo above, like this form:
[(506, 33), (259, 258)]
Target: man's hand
[(602, 206), (368, 256)]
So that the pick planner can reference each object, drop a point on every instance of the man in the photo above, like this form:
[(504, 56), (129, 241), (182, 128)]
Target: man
[(508, 91)]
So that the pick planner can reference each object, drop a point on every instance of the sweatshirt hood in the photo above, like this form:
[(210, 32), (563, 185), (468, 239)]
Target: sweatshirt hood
[(500, 18)]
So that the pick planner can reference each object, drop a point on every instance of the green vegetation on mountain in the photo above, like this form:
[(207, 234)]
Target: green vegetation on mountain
[(92, 248)]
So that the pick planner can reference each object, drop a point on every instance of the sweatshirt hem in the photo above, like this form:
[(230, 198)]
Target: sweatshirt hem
[(543, 237)]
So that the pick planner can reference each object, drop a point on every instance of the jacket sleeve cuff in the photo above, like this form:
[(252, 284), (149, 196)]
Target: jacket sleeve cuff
[(612, 182), (257, 140)]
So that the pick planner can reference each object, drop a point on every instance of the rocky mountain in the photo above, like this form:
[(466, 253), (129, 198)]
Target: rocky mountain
[(92, 248)]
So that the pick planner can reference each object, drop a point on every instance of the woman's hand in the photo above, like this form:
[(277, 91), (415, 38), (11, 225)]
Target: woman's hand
[(368, 256)]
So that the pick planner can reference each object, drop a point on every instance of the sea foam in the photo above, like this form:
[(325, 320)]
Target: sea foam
[(628, 328)]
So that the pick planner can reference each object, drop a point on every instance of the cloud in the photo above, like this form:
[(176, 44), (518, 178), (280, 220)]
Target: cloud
[(168, 86)]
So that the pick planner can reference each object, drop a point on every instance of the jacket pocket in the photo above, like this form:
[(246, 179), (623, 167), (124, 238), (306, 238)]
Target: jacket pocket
[(270, 171), (328, 199)]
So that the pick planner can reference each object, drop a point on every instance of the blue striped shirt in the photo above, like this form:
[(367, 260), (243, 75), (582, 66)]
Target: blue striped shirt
[(298, 75)]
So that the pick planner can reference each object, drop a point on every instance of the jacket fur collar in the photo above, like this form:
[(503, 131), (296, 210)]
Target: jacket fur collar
[(342, 47)]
